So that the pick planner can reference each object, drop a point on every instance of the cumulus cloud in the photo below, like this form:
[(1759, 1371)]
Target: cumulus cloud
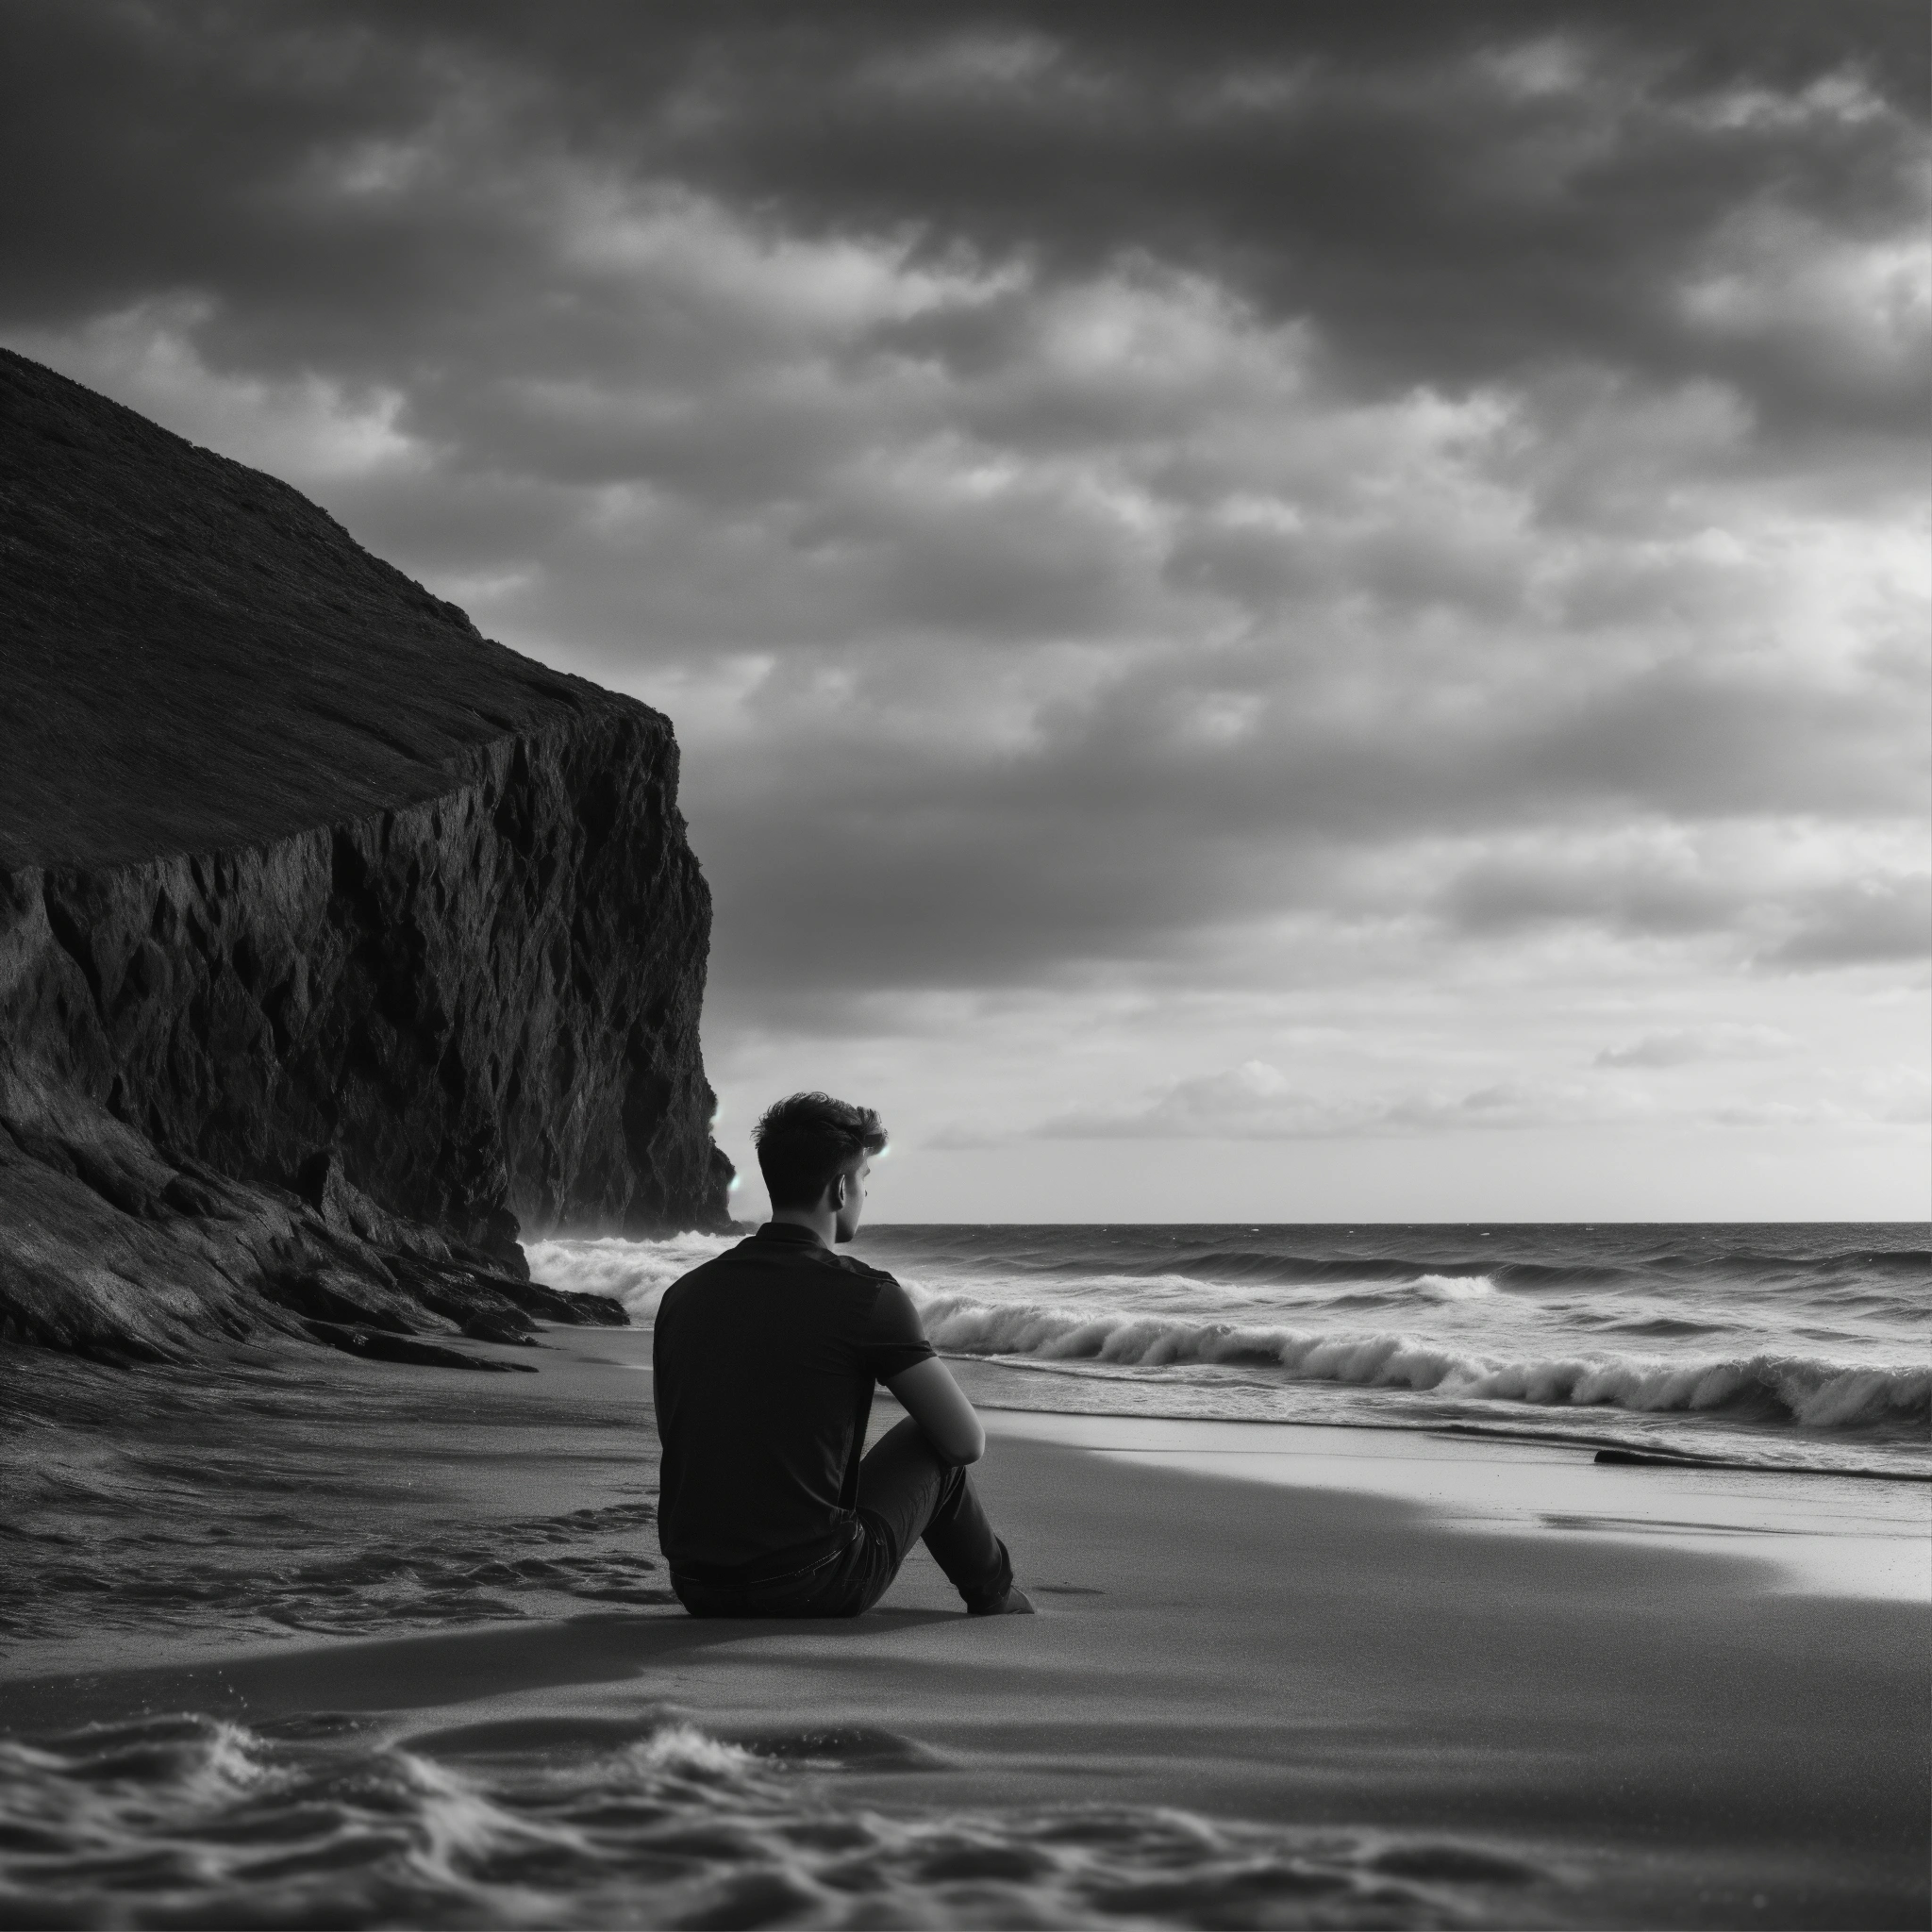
[(1686, 1046), (1256, 1101), (1897, 1096)]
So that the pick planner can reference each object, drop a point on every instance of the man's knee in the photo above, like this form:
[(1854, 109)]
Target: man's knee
[(950, 1476), (906, 1452)]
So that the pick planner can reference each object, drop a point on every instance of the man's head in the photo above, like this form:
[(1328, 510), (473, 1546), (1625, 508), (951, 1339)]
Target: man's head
[(814, 1153)]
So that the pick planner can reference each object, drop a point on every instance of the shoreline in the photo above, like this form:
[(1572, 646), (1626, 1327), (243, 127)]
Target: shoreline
[(1472, 1431), (1820, 1541)]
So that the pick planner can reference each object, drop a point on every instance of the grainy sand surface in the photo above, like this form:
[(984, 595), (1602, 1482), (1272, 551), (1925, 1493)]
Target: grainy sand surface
[(1629, 1732)]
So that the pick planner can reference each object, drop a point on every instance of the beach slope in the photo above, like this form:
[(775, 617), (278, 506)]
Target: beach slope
[(1523, 1730)]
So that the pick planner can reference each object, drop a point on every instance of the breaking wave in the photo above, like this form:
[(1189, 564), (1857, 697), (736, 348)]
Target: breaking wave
[(1807, 1391), (634, 1272), (191, 1820), (1453, 1288), (1728, 1330)]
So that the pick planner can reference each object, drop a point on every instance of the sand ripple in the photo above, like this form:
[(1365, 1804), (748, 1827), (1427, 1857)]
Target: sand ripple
[(189, 1820)]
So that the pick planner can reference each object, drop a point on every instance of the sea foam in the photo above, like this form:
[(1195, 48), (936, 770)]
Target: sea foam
[(1735, 1332), (634, 1272), (1453, 1288), (1810, 1391)]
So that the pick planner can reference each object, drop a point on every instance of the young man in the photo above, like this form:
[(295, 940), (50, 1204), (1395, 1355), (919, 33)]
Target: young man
[(765, 1359)]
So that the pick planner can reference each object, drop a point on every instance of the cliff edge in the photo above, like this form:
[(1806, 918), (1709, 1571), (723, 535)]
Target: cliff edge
[(338, 944)]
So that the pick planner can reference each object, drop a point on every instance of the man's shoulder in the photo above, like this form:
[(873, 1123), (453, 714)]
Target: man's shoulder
[(851, 1264), (858, 1282), (709, 1269)]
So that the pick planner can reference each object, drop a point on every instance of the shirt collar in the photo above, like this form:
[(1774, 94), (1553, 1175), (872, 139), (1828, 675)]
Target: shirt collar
[(789, 1234)]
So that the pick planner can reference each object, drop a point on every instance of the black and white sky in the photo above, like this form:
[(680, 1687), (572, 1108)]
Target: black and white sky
[(1277, 612)]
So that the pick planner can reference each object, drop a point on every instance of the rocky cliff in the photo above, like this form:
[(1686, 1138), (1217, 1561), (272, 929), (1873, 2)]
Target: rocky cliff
[(337, 943)]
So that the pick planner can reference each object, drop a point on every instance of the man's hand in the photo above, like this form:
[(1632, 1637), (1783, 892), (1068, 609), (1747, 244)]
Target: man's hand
[(929, 1395)]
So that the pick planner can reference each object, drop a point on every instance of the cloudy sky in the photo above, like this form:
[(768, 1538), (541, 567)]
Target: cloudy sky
[(1296, 612)]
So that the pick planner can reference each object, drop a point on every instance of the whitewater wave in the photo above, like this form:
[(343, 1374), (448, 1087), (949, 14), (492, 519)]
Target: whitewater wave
[(637, 1273), (1453, 1288), (1169, 1286), (1808, 1391), (634, 1272)]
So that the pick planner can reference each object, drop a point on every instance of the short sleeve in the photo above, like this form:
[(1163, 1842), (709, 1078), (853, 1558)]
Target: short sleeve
[(894, 1340)]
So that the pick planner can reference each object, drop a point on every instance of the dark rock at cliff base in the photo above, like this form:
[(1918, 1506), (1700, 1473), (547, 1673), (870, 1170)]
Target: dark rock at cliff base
[(338, 944)]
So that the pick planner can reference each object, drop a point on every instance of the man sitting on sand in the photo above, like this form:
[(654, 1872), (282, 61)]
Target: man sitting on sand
[(765, 1359)]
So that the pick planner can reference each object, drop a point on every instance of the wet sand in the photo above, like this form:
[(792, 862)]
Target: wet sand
[(1816, 1533), (1589, 1730)]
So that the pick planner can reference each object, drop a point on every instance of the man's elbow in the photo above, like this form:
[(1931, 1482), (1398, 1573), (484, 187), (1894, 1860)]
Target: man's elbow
[(960, 1446)]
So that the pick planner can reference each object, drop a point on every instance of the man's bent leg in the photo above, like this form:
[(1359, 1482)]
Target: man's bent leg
[(908, 1493)]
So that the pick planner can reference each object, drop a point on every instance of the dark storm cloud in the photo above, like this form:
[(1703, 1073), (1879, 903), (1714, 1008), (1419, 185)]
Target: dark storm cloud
[(1114, 827), (1874, 922), (1127, 471), (1453, 191), (1534, 177)]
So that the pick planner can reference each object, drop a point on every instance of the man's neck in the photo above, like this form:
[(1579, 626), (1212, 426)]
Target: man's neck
[(822, 1221)]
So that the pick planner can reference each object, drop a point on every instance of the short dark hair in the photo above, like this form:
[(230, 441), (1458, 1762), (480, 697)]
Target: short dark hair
[(805, 1140)]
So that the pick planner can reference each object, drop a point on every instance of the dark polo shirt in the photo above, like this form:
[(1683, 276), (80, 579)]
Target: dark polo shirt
[(765, 1359)]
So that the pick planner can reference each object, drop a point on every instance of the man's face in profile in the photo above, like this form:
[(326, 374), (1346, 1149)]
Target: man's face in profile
[(846, 1218)]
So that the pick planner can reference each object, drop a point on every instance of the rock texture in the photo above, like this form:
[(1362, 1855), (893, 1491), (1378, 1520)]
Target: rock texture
[(337, 943)]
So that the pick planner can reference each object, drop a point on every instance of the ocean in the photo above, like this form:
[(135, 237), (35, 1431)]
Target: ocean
[(1794, 1345), (184, 1549)]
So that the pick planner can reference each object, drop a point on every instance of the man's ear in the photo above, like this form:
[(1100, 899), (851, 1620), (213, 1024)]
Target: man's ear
[(836, 1189)]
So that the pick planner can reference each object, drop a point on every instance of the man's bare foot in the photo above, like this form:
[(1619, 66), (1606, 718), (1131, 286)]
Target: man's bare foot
[(1016, 1603)]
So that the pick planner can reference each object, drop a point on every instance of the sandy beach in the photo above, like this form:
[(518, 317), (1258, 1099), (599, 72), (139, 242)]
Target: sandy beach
[(1469, 1725)]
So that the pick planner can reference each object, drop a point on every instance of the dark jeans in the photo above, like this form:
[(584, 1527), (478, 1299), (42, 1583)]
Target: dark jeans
[(905, 1493)]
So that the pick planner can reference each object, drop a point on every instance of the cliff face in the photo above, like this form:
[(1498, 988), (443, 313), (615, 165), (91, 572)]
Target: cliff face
[(323, 920)]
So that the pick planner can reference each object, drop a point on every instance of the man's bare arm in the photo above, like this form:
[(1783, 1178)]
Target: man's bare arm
[(929, 1395)]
